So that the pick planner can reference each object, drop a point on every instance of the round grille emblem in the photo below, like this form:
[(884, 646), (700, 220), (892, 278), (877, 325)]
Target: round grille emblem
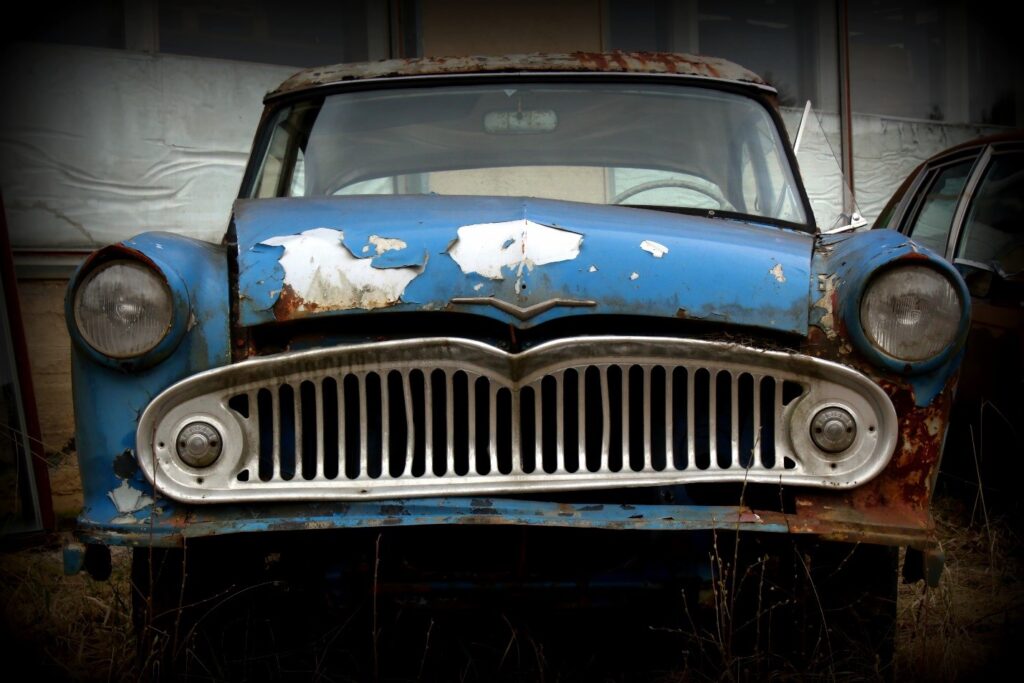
[(833, 430), (199, 444)]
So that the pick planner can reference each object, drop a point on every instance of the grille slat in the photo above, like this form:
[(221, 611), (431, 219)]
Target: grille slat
[(581, 425), (364, 454), (492, 428), (449, 422), (646, 445), (606, 424), (276, 433), (538, 430), (560, 421), (428, 424), (646, 412), (410, 433), (339, 388), (669, 418), (517, 436), (755, 418), (734, 432), (299, 447)]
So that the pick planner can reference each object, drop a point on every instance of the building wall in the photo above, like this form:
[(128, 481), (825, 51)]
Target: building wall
[(469, 27)]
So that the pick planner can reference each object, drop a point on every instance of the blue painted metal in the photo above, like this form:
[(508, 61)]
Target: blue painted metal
[(109, 399), (850, 260), (73, 555), (716, 269)]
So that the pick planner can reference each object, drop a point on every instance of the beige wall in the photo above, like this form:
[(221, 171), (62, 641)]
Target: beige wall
[(49, 349), (476, 27)]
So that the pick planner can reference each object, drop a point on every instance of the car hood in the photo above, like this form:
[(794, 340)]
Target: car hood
[(521, 261)]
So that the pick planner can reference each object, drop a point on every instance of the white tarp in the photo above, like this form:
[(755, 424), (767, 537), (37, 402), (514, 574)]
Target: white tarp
[(885, 151), (99, 145)]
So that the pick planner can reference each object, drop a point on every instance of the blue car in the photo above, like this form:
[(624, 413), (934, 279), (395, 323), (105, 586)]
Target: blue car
[(467, 303)]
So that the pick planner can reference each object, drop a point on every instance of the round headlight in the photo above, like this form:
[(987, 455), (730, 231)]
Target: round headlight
[(123, 309), (911, 312)]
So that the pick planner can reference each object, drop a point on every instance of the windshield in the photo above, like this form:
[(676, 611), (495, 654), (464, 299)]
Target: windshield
[(662, 146)]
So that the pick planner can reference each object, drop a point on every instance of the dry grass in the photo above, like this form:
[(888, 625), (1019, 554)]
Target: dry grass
[(67, 627), (74, 628), (973, 623)]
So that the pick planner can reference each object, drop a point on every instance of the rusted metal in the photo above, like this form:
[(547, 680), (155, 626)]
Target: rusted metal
[(575, 62), (827, 518)]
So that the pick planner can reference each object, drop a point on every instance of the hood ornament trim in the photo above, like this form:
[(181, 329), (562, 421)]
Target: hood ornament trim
[(518, 311)]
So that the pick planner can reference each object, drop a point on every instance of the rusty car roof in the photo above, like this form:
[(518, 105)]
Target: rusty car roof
[(654, 63)]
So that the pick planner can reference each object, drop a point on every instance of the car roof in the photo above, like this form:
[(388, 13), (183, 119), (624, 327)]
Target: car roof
[(995, 139), (650, 63)]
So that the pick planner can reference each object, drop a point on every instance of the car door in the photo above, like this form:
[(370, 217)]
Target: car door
[(987, 245)]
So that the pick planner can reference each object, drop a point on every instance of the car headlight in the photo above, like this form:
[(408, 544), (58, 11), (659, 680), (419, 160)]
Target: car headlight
[(123, 309), (911, 312)]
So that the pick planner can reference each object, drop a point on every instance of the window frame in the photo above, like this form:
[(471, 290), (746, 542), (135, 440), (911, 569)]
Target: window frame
[(967, 197)]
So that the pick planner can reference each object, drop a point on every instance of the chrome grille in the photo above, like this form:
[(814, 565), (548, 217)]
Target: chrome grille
[(448, 416)]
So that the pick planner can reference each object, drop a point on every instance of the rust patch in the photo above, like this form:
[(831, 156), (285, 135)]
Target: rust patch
[(290, 305), (118, 251), (611, 62)]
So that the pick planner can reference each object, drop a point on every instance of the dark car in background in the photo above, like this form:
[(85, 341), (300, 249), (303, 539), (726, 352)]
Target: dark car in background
[(967, 204)]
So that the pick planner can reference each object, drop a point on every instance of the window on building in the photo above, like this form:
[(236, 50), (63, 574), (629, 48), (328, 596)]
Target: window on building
[(790, 44), (954, 62), (299, 33), (97, 23)]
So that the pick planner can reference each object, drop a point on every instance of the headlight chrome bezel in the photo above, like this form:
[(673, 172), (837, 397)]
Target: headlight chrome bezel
[(863, 341), (168, 279)]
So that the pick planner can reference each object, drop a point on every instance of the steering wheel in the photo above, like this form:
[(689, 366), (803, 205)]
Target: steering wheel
[(708, 192)]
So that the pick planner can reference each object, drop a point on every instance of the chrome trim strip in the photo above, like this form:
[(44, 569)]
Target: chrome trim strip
[(517, 311)]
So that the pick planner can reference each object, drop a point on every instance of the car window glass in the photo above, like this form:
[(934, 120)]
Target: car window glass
[(601, 143), (994, 229), (933, 220)]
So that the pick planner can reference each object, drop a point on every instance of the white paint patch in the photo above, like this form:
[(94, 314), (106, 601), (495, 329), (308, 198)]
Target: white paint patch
[(477, 287), (653, 248), (326, 276), (777, 272), (128, 500), (634, 276), (592, 269), (385, 244), (487, 248)]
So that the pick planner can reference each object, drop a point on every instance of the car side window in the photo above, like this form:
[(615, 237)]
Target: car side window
[(931, 225), (994, 230)]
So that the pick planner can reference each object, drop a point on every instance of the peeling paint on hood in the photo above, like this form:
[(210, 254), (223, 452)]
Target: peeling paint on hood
[(320, 273), (488, 249), (523, 252), (653, 248)]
